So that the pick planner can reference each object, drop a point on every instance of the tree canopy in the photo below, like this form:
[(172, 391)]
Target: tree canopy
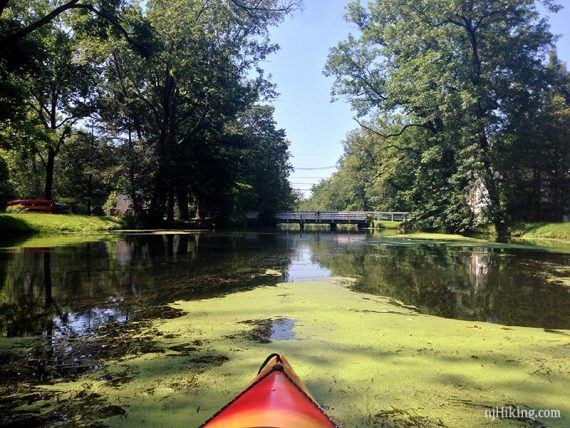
[(456, 102), (166, 98)]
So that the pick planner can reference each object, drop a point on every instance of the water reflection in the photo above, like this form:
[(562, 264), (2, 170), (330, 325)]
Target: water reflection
[(78, 288), (479, 269), (302, 266), (68, 291), (496, 285)]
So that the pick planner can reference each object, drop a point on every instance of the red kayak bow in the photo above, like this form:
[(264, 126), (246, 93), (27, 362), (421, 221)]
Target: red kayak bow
[(275, 398)]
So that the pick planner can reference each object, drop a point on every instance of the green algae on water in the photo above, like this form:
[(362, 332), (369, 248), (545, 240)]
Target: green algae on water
[(369, 361)]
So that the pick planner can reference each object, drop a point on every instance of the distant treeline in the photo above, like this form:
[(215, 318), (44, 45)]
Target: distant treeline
[(464, 114), (162, 101)]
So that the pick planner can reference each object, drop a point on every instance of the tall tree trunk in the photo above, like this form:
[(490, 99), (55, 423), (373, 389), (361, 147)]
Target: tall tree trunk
[(182, 198), (197, 215), (170, 205), (160, 192), (163, 179), (171, 147), (89, 193), (489, 176), (137, 206), (50, 163)]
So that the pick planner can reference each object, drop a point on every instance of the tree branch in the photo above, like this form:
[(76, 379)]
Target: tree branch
[(397, 134), (109, 18), (64, 134), (285, 7), (40, 110), (487, 15), (39, 153), (3, 4), (72, 4), (41, 22), (434, 24), (67, 119), (127, 93), (366, 82)]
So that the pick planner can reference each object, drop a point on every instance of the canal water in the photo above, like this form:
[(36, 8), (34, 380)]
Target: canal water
[(63, 294), (74, 289)]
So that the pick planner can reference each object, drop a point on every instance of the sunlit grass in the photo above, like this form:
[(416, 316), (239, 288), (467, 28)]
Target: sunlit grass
[(386, 224), (56, 223), (451, 240), (543, 230)]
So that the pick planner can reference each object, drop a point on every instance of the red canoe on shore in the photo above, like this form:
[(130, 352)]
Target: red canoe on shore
[(38, 205), (275, 398)]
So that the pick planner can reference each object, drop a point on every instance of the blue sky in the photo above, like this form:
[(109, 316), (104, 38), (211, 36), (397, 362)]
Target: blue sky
[(315, 126)]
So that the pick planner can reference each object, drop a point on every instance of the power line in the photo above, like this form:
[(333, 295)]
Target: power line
[(313, 169), (302, 183)]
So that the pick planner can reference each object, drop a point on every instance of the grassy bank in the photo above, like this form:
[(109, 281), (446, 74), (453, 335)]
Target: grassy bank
[(369, 360), (386, 224), (451, 240), (56, 223), (542, 231)]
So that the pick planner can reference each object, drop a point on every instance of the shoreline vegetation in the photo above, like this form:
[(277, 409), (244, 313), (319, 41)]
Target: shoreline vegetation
[(100, 141), (14, 224), (560, 231)]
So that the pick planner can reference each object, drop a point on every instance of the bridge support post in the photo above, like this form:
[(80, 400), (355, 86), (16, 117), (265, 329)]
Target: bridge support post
[(333, 227), (302, 225)]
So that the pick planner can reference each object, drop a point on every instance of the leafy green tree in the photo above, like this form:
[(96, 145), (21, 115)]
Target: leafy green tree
[(175, 88), (458, 74), (88, 169), (540, 176), (22, 53), (45, 12), (264, 163), (193, 83), (25, 172), (6, 188), (53, 100), (61, 96)]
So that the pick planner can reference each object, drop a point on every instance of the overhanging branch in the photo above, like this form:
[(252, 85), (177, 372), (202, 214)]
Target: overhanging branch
[(396, 134), (283, 7), (72, 4), (3, 4)]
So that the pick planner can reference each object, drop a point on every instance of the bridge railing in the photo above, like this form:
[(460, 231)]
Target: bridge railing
[(389, 215), (330, 216), (323, 216)]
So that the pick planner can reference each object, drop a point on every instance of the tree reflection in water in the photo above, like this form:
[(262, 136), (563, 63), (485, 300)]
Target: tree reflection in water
[(508, 286), (73, 290)]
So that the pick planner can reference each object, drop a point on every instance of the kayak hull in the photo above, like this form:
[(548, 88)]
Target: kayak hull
[(275, 398)]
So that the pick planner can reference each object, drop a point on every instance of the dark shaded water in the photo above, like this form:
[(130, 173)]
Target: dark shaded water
[(74, 290)]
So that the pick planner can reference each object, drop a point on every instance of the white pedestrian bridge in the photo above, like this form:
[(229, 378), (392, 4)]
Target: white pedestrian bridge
[(361, 218)]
